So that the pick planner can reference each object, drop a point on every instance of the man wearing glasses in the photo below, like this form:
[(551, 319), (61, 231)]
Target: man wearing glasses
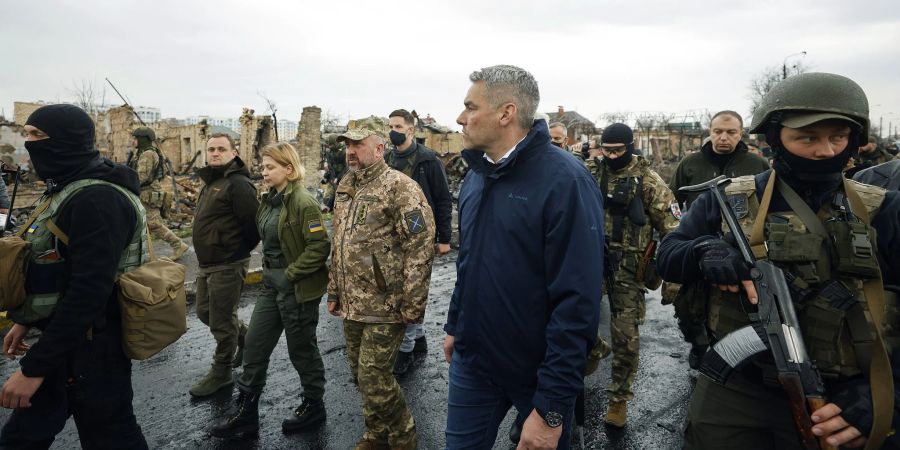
[(636, 201)]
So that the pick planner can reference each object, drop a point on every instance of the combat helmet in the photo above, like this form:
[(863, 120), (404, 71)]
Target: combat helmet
[(144, 132), (834, 96)]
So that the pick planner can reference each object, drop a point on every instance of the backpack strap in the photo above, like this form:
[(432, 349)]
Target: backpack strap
[(881, 381)]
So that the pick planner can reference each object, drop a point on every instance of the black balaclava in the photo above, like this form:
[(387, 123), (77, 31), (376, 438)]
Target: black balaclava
[(70, 146), (807, 171), (618, 133)]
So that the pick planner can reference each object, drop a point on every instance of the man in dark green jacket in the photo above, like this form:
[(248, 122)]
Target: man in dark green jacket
[(224, 233), (724, 154)]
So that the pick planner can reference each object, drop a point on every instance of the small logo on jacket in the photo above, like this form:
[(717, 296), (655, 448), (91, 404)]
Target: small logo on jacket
[(518, 197)]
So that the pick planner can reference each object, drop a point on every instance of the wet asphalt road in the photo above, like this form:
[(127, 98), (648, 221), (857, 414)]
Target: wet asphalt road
[(171, 419)]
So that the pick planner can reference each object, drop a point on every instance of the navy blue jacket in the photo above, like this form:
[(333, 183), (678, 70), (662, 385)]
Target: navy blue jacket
[(678, 263), (526, 306)]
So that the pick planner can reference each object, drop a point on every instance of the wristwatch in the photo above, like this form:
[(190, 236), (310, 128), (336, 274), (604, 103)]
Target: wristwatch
[(553, 419)]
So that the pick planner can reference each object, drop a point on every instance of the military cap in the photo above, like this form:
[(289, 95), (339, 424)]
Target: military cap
[(362, 128)]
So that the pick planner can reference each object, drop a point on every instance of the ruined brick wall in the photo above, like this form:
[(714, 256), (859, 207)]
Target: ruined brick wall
[(118, 140), (256, 133), (21, 111), (180, 144), (442, 143), (308, 146)]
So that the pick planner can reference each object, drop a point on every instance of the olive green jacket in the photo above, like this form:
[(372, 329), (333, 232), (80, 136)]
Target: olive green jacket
[(698, 168), (304, 241)]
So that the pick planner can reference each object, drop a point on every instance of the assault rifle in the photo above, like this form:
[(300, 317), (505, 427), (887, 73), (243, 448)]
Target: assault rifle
[(165, 161), (774, 327)]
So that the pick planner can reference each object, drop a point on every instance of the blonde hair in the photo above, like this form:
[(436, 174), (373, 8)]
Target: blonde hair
[(285, 155)]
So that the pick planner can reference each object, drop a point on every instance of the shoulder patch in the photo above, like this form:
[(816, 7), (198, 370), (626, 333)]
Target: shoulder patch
[(676, 210), (739, 205), (314, 225), (415, 221)]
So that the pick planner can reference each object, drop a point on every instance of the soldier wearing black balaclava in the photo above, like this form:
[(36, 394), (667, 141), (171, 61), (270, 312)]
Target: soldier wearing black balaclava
[(78, 366), (836, 242)]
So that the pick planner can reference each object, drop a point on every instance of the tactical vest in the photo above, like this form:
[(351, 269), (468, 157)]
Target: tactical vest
[(46, 275), (627, 225), (159, 172), (407, 169), (825, 276)]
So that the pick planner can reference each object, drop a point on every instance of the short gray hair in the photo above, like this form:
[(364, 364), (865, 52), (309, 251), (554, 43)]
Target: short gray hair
[(559, 125), (505, 83)]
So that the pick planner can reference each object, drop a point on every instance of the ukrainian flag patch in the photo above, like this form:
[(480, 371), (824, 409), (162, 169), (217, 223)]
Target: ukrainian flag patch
[(315, 226)]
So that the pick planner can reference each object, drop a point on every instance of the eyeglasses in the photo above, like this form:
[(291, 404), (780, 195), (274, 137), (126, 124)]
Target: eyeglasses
[(613, 149)]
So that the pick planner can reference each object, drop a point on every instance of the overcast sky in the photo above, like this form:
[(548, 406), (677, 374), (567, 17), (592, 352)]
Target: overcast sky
[(354, 59)]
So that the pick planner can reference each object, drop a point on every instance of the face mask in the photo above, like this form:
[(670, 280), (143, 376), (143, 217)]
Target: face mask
[(620, 162), (558, 144), (397, 138)]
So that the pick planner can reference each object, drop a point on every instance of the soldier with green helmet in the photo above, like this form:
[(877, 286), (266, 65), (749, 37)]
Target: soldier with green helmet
[(809, 221), (637, 202), (335, 159), (150, 164)]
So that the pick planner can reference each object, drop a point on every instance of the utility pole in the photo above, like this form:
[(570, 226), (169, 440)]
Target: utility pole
[(784, 63)]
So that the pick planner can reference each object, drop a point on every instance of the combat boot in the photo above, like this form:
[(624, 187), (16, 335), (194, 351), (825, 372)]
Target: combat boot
[(309, 414), (421, 346), (369, 444), (695, 358), (178, 252), (243, 418), (403, 363), (218, 377), (617, 413)]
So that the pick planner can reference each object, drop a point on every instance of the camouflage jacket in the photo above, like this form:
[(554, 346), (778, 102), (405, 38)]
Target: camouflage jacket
[(656, 199), (383, 247), (148, 167), (873, 158)]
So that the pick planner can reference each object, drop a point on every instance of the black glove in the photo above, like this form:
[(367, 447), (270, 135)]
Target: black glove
[(855, 400), (720, 262)]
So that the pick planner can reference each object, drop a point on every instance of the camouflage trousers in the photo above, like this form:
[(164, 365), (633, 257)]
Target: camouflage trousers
[(158, 228), (372, 349), (627, 310)]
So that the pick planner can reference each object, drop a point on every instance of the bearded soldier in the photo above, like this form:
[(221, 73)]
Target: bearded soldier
[(820, 229)]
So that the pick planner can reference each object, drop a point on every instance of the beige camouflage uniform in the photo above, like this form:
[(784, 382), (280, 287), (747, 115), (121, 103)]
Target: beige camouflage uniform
[(153, 198), (380, 270), (627, 302)]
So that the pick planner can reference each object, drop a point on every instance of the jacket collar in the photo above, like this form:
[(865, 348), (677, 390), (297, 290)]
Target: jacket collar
[(364, 176), (209, 173), (537, 139), (710, 155)]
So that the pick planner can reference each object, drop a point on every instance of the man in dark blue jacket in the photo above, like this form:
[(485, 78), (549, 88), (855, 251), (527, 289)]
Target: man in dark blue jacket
[(526, 306)]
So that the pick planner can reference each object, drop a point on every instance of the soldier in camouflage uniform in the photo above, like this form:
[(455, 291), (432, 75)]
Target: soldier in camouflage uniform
[(637, 202), (819, 229), (150, 165), (380, 269)]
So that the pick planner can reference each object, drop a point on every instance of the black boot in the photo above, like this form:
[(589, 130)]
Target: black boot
[(243, 418), (308, 415), (403, 363), (421, 346), (696, 355)]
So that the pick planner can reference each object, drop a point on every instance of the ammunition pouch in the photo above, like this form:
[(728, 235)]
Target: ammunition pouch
[(854, 252)]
